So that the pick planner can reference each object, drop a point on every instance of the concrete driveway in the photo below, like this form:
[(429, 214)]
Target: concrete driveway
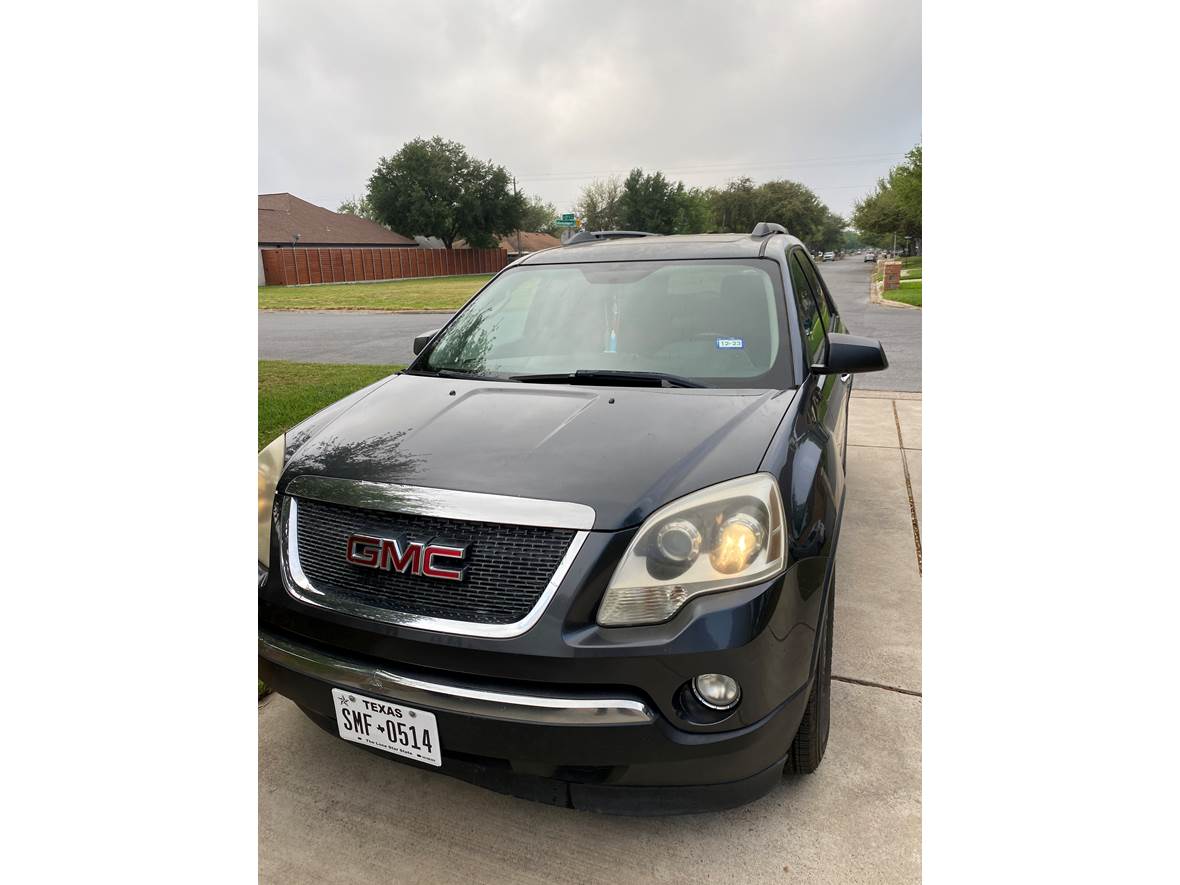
[(381, 337), (331, 812)]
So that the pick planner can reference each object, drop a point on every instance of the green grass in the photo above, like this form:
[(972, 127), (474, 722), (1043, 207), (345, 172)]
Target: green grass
[(290, 392), (909, 293), (430, 293)]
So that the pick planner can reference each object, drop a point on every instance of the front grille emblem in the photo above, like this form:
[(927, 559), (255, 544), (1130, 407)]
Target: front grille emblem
[(433, 559)]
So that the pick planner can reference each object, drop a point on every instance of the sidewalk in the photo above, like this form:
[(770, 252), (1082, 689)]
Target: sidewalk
[(330, 812)]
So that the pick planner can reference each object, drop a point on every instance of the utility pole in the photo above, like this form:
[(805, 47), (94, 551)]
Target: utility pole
[(518, 226)]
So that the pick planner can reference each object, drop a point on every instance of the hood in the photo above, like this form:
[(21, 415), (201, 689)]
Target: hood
[(623, 451)]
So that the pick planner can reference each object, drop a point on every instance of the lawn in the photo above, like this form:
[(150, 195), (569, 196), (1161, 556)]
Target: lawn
[(290, 392), (428, 293), (909, 293)]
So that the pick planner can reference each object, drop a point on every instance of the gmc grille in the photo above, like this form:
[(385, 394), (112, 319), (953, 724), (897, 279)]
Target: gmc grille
[(508, 566)]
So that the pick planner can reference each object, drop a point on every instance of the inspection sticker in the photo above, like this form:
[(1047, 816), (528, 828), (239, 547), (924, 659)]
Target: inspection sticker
[(730, 343)]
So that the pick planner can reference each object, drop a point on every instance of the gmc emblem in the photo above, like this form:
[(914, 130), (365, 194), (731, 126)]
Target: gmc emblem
[(407, 557)]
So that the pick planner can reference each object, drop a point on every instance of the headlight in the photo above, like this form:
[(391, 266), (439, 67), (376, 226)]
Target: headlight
[(726, 536), (270, 465)]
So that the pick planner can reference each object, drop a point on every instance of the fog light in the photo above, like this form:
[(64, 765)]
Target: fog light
[(716, 691)]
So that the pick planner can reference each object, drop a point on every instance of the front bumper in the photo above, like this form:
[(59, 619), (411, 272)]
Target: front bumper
[(601, 751)]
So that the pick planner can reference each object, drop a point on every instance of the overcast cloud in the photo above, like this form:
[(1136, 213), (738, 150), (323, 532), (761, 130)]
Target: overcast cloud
[(827, 93)]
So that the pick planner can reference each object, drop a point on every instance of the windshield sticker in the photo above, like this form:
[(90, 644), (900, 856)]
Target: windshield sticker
[(730, 343)]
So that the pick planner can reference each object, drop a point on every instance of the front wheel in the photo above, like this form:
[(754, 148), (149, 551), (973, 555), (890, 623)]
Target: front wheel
[(807, 749)]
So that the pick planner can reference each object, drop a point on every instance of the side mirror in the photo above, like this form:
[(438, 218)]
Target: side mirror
[(420, 341), (851, 353)]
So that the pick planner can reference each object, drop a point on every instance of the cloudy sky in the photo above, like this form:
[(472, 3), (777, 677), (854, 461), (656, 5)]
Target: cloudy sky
[(826, 92)]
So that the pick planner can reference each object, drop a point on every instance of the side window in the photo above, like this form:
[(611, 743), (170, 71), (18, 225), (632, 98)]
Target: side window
[(813, 329), (817, 288)]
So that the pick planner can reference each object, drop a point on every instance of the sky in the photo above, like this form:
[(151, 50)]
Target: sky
[(824, 92)]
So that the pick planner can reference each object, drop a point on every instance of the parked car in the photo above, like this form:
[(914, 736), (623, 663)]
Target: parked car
[(869, 256), (582, 550), (829, 256)]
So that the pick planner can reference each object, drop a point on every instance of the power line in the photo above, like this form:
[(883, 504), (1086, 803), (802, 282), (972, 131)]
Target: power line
[(814, 162)]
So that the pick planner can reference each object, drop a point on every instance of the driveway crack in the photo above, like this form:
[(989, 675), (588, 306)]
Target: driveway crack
[(870, 684), (909, 487)]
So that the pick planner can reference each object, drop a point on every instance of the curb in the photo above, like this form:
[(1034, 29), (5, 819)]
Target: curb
[(431, 310)]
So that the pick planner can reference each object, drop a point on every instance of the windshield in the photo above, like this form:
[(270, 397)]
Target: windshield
[(718, 323)]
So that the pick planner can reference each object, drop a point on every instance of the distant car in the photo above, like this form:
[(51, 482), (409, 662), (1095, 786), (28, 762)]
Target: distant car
[(870, 256), (829, 256)]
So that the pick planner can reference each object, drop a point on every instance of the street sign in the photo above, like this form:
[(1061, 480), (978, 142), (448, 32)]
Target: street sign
[(570, 217), (565, 221)]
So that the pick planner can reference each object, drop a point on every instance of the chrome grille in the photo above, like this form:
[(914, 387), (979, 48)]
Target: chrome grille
[(508, 566)]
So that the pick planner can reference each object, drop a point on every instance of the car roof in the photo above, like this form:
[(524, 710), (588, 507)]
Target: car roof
[(651, 248)]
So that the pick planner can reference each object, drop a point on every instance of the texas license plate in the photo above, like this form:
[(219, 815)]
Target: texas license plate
[(387, 726)]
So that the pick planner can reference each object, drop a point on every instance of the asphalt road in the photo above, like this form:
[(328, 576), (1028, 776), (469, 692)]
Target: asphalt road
[(375, 337), (342, 336), (330, 812), (899, 329)]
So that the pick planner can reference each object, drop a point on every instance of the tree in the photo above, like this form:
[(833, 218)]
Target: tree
[(830, 235), (798, 209), (433, 188), (539, 216), (598, 204), (650, 202), (694, 214), (735, 206), (894, 209), (741, 204), (361, 208)]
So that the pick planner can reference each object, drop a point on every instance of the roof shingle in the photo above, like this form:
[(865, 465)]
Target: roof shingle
[(529, 242), (281, 216)]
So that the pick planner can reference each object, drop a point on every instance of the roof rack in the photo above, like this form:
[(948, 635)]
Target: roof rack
[(589, 236), (766, 228)]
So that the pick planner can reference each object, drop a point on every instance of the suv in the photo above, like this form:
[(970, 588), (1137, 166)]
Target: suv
[(582, 550)]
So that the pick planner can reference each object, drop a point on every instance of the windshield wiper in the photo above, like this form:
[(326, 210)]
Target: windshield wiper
[(611, 376), (460, 373)]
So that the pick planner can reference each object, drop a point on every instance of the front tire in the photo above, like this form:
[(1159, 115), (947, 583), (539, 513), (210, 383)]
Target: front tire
[(807, 749)]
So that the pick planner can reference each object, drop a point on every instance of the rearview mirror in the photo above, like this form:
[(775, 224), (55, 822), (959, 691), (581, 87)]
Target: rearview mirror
[(420, 341), (851, 353)]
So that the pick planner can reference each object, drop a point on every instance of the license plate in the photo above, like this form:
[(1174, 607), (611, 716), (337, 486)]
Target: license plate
[(373, 722)]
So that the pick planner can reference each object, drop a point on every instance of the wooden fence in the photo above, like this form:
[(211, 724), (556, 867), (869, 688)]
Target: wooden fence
[(300, 266)]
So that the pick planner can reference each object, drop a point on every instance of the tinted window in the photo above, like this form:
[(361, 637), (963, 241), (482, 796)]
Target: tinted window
[(813, 329), (717, 322), (817, 289)]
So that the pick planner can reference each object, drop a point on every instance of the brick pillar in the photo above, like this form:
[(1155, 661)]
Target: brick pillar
[(891, 274)]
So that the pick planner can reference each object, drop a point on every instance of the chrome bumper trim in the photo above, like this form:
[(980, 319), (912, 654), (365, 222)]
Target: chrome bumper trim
[(451, 697)]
